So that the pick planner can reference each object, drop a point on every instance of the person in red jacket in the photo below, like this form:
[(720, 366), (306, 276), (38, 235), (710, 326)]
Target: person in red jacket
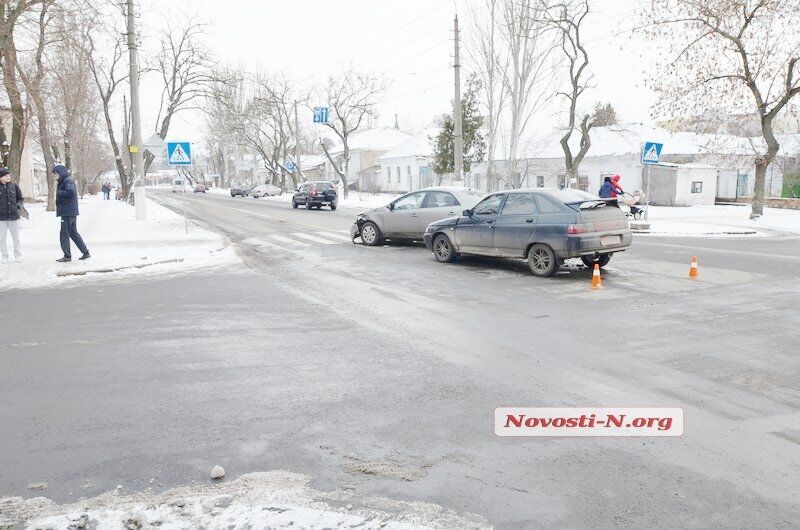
[(615, 189)]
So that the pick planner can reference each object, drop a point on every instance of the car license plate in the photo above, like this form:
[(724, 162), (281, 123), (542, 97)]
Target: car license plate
[(608, 241)]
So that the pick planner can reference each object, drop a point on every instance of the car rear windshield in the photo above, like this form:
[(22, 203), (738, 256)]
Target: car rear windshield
[(577, 199), (323, 186)]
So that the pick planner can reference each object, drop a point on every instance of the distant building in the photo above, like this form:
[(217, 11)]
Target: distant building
[(366, 147), (409, 166), (616, 150)]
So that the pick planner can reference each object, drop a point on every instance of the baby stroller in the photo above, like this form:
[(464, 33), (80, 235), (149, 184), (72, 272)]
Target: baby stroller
[(632, 204)]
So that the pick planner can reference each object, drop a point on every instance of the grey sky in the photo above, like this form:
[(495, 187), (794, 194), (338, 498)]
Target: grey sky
[(409, 42)]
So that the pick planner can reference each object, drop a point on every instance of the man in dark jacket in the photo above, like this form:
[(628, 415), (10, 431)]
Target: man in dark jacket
[(10, 205), (67, 210)]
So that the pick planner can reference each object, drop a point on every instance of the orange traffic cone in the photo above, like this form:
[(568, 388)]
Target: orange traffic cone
[(693, 268), (597, 282)]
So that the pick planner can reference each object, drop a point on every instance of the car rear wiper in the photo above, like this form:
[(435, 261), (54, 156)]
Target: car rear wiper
[(593, 203)]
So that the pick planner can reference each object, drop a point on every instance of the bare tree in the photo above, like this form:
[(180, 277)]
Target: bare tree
[(33, 78), (528, 45), (11, 12), (742, 54), (108, 72), (184, 66), (489, 62), (567, 18), (351, 97)]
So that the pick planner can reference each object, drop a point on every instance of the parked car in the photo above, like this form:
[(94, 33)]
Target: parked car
[(266, 190), (240, 191), (200, 188), (544, 225), (316, 195), (407, 216)]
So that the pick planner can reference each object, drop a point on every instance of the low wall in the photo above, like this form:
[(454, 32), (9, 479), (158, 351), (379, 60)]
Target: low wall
[(791, 204)]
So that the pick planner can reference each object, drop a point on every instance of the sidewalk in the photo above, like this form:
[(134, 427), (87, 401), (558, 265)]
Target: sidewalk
[(118, 243), (719, 221)]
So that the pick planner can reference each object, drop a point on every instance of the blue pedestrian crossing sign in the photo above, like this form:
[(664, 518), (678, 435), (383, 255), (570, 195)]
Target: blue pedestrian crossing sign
[(179, 153), (651, 153), (320, 114), (291, 167)]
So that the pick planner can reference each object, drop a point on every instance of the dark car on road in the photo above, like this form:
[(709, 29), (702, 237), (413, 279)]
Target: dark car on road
[(316, 195), (240, 191), (544, 225)]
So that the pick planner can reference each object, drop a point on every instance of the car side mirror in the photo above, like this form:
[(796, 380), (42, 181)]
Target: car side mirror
[(391, 206), (467, 213)]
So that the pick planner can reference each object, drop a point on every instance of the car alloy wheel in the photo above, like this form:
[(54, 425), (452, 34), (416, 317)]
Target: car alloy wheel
[(369, 234), (443, 249), (542, 260)]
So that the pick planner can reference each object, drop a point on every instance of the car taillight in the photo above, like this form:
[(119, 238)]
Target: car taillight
[(576, 229)]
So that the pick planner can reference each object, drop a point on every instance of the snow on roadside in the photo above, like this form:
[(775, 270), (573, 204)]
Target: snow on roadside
[(365, 201), (275, 499), (117, 242), (720, 220)]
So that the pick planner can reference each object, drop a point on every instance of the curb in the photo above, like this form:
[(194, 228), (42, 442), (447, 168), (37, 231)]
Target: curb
[(117, 269)]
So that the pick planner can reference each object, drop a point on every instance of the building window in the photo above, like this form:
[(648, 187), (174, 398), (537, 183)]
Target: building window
[(408, 170), (697, 187), (540, 181), (398, 174), (388, 175)]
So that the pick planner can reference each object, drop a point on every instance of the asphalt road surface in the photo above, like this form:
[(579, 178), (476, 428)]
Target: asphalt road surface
[(379, 369)]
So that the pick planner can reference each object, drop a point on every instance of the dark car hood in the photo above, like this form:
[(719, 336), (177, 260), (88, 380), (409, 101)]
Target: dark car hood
[(450, 221)]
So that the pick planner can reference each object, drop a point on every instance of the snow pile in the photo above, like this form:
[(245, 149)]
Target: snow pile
[(259, 500), (119, 244), (720, 220)]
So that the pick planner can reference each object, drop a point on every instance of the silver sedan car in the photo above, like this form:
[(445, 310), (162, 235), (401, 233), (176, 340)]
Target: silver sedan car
[(409, 215)]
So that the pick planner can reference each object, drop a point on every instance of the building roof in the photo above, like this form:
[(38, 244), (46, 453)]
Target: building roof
[(378, 139), (627, 139), (421, 144)]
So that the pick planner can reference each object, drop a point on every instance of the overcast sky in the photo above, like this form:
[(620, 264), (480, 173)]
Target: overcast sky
[(409, 42)]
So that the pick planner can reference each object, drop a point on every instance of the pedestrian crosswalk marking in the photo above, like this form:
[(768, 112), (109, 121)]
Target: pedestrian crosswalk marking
[(338, 237), (315, 239), (282, 239)]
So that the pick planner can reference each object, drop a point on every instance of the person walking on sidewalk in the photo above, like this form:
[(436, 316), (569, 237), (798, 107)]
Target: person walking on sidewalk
[(10, 206), (67, 210)]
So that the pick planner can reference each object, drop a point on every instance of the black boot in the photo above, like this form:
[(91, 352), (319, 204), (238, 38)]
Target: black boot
[(65, 259), (85, 256)]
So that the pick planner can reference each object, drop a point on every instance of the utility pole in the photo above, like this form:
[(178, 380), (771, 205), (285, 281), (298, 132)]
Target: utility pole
[(458, 135), (136, 129), (297, 142)]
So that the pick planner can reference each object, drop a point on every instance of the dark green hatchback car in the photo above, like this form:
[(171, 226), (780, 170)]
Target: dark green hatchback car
[(544, 225)]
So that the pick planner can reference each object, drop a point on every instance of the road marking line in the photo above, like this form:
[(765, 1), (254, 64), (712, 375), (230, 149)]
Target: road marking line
[(282, 239), (338, 237), (314, 238)]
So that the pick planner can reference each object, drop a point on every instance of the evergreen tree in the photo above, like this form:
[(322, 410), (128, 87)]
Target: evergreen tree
[(471, 123)]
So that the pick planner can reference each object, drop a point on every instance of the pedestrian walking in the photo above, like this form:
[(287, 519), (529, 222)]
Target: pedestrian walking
[(610, 190), (10, 206), (67, 210), (106, 191)]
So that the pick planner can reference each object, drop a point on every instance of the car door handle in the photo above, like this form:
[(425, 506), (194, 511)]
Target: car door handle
[(490, 221), (529, 220)]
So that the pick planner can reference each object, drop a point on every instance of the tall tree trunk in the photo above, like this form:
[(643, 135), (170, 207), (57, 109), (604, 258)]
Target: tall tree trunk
[(18, 128), (49, 161), (762, 163)]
